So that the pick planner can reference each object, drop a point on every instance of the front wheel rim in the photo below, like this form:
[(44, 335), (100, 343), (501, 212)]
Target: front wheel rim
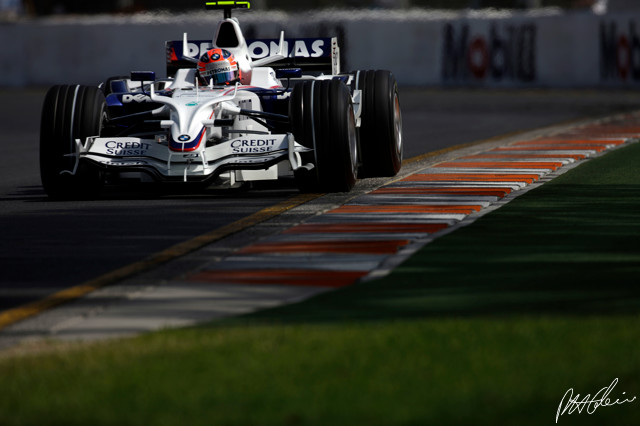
[(353, 141), (397, 123)]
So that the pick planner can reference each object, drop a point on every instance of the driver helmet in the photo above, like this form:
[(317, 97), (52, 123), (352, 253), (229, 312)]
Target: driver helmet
[(218, 66)]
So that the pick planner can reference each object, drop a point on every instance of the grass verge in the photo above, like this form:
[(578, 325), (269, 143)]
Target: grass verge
[(490, 324)]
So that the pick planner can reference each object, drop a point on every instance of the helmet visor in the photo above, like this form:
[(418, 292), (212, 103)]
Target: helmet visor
[(222, 77)]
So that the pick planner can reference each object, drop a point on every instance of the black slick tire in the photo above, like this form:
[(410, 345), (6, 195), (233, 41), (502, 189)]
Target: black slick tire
[(380, 132), (322, 119), (70, 113)]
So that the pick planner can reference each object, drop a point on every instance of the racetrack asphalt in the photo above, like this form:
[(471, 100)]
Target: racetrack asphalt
[(362, 238), (49, 246)]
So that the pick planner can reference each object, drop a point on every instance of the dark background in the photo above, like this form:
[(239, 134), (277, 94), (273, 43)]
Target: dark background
[(47, 7)]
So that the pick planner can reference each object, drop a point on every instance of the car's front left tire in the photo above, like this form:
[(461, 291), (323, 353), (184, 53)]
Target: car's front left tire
[(322, 119), (380, 132)]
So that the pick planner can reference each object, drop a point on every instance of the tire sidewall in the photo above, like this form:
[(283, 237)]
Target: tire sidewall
[(322, 119), (380, 133)]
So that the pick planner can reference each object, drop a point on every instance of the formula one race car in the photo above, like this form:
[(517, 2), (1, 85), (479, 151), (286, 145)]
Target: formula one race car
[(223, 117)]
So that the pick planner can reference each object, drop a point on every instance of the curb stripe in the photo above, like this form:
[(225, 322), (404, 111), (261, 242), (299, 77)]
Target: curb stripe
[(470, 177), (300, 277), (533, 147), (331, 246), (502, 165), (572, 142), (379, 227), (494, 192), (523, 156), (407, 209)]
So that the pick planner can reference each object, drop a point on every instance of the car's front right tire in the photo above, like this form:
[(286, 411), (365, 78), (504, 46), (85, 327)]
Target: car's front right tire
[(70, 113)]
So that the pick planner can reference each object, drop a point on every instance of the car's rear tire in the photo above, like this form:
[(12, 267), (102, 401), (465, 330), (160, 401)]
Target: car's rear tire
[(380, 132), (70, 113), (322, 119)]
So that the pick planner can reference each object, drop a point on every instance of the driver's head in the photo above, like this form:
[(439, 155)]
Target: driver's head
[(218, 66)]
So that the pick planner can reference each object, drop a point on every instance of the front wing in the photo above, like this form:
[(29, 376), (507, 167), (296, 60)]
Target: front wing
[(155, 158)]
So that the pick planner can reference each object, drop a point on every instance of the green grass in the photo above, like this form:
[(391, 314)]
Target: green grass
[(453, 371), (488, 325)]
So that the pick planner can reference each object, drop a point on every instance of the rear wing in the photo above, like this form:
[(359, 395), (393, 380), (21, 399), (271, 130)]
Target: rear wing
[(310, 54)]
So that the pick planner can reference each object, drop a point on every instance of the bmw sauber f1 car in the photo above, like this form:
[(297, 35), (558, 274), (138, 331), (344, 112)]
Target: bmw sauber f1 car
[(230, 111)]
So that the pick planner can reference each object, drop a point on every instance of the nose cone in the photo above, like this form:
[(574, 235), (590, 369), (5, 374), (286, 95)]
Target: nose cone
[(185, 142)]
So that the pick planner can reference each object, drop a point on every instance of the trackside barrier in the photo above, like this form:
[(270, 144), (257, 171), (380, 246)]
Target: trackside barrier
[(423, 48)]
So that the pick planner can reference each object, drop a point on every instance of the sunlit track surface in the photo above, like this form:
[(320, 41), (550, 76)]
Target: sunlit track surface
[(374, 227), (53, 248)]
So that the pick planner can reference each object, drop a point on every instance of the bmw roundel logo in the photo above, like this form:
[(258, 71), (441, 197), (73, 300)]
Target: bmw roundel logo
[(184, 138)]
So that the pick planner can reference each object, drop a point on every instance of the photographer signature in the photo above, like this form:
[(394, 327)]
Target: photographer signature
[(600, 399)]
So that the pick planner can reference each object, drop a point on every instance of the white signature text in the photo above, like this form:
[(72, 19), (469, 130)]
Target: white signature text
[(571, 403)]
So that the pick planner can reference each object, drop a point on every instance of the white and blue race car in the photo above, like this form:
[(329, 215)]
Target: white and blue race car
[(323, 128)]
